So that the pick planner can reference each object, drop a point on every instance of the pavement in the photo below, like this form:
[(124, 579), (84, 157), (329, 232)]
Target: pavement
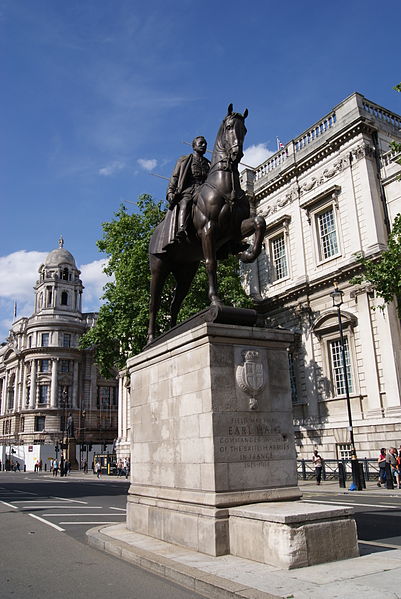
[(373, 575)]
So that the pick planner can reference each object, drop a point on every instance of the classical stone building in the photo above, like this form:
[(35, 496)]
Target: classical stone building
[(329, 194), (45, 377)]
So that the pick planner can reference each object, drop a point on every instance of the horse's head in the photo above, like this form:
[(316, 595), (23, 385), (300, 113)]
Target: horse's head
[(233, 132)]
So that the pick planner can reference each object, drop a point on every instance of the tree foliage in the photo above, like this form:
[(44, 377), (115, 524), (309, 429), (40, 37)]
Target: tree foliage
[(121, 326), (384, 273)]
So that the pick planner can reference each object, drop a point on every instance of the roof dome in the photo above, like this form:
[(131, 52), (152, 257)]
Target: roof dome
[(60, 256)]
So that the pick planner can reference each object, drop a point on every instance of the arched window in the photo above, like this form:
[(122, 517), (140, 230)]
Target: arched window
[(64, 274), (64, 298)]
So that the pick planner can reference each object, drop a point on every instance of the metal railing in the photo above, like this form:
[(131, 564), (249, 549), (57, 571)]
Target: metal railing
[(330, 471)]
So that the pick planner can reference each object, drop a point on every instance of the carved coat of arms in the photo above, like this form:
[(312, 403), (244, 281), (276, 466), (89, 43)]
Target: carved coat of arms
[(250, 376)]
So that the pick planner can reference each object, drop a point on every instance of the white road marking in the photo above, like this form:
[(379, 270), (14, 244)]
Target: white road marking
[(9, 505), (71, 500), (122, 509), (379, 505), (55, 507), (378, 544), (85, 514), (33, 500), (48, 523), (93, 522)]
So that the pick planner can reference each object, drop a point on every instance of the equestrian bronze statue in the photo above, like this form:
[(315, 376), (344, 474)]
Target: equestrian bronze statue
[(220, 221)]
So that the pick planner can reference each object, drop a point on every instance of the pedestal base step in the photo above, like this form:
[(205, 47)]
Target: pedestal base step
[(292, 535)]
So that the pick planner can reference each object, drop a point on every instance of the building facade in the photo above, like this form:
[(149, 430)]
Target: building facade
[(330, 194), (45, 377)]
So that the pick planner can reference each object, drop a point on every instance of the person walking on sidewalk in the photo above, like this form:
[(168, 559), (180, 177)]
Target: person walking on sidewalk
[(382, 467), (98, 469), (318, 464)]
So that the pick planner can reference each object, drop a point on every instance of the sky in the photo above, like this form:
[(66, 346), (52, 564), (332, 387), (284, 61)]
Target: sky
[(98, 94)]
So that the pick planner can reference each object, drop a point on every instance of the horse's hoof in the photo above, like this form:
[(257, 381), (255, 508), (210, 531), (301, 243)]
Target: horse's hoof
[(216, 301), (247, 257)]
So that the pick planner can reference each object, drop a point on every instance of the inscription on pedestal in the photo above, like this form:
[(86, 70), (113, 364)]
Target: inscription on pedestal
[(253, 439)]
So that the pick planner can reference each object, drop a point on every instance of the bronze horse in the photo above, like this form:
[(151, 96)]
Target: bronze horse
[(221, 220)]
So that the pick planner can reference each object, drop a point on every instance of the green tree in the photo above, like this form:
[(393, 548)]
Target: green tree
[(384, 272), (121, 326)]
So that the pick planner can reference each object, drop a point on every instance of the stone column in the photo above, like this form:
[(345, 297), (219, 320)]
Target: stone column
[(75, 385), (23, 398), (387, 334), (16, 389), (121, 398), (32, 391), (370, 366), (54, 384)]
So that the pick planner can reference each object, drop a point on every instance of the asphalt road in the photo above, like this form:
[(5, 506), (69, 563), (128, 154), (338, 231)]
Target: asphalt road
[(377, 514), (43, 544)]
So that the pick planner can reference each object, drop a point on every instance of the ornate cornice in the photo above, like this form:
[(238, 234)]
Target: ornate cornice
[(331, 146)]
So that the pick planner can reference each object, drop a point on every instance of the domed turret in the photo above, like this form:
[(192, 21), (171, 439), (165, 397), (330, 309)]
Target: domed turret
[(59, 287)]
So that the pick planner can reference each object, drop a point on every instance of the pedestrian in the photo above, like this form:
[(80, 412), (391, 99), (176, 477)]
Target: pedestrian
[(391, 459), (318, 464), (85, 467), (98, 469), (55, 467), (126, 467), (381, 460), (120, 466)]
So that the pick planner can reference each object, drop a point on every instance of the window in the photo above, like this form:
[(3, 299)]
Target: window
[(10, 398), (43, 394), (44, 365), (64, 274), (65, 366), (106, 397), (45, 339), (28, 392), (337, 366), (66, 340), (49, 296), (327, 233), (344, 451), (22, 424), (30, 341), (279, 257), (64, 392), (64, 298), (40, 423)]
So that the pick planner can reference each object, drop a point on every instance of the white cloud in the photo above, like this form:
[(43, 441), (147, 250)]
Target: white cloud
[(18, 274), (112, 168), (148, 165), (94, 280), (256, 154)]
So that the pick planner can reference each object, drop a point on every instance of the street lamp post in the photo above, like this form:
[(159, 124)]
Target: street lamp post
[(337, 297)]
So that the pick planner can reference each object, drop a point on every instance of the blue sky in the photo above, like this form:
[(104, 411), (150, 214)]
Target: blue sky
[(95, 94)]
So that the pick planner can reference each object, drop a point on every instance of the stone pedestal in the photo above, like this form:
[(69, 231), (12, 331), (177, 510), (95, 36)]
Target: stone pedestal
[(212, 429), (293, 534), (71, 453)]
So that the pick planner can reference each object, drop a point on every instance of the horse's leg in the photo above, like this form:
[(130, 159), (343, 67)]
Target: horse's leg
[(257, 225), (160, 270), (207, 235), (184, 275)]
